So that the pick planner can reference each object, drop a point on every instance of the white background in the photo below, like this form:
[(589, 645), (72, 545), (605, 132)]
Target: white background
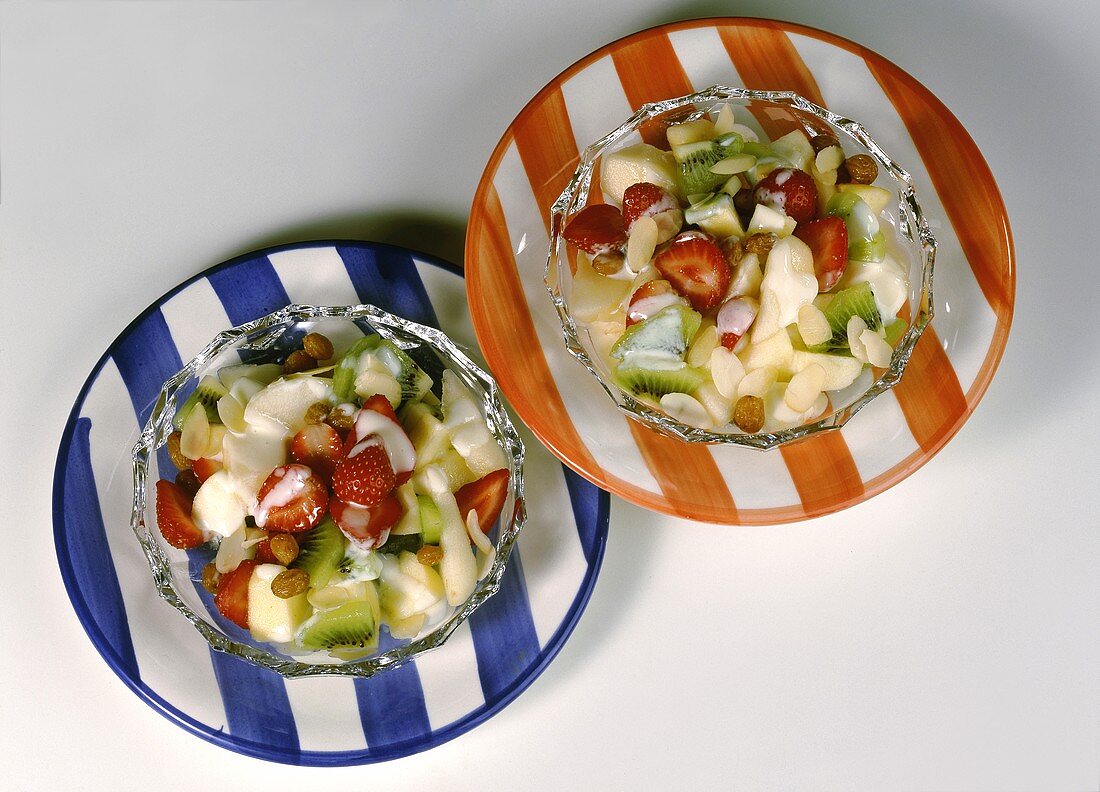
[(944, 635)]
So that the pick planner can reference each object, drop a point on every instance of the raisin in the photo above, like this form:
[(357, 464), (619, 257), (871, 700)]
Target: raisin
[(822, 142), (290, 583), (298, 360), (608, 263), (429, 554), (317, 346), (317, 413), (748, 414), (284, 547), (340, 419), (861, 168), (174, 453), (760, 244), (187, 481), (210, 578)]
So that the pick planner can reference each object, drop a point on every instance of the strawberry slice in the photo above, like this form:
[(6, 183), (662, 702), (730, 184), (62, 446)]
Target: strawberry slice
[(205, 468), (649, 298), (697, 268), (292, 499), (395, 440), (366, 476), (827, 239), (789, 190), (380, 404), (485, 496), (367, 526), (318, 447), (232, 597), (645, 200), (595, 229), (174, 517)]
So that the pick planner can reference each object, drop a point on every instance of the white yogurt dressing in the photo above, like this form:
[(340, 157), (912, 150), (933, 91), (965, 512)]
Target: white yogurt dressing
[(888, 280), (292, 481), (393, 438)]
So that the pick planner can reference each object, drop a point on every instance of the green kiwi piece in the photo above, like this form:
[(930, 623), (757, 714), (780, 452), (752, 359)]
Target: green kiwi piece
[(399, 542), (656, 383), (351, 625), (670, 331), (414, 382), (431, 521), (856, 300), (695, 161), (320, 552), (207, 393)]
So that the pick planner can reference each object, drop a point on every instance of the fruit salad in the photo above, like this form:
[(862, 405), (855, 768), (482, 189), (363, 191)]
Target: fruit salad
[(337, 493), (735, 282)]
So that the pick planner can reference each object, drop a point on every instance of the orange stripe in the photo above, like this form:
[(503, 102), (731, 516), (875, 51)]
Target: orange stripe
[(823, 472), (766, 60), (650, 71), (544, 139), (974, 203), (690, 480), (929, 393)]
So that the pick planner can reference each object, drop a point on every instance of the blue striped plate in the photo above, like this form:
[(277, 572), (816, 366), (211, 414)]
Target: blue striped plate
[(326, 720)]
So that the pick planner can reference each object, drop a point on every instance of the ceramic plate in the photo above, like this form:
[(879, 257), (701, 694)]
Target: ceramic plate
[(486, 663), (519, 333)]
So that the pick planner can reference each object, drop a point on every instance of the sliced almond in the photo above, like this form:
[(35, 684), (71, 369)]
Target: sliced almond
[(727, 371), (690, 132), (699, 353), (214, 444), (804, 388), (878, 351), (687, 410), (813, 326), (855, 329), (829, 158), (669, 223), (195, 435), (231, 411), (725, 121), (757, 382), (738, 163), (641, 243)]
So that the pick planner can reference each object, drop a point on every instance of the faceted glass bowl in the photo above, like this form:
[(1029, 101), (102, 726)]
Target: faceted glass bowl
[(907, 232), (177, 573)]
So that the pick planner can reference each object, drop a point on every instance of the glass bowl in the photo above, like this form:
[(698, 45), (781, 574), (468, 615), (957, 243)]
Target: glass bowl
[(907, 233), (177, 573)]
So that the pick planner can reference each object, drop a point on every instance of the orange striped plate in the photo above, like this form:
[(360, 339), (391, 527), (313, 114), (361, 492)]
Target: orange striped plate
[(517, 327)]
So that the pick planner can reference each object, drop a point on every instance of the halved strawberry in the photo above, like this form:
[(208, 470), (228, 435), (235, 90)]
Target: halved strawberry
[(205, 468), (595, 229), (645, 200), (827, 239), (232, 597), (697, 268), (292, 499), (174, 517), (789, 190), (380, 404), (318, 447), (396, 439), (368, 526), (485, 496), (734, 319), (366, 477), (649, 298)]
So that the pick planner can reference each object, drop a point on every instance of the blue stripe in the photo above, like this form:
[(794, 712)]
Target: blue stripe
[(146, 357), (89, 552), (249, 290), (387, 277), (504, 635), (391, 705), (586, 501)]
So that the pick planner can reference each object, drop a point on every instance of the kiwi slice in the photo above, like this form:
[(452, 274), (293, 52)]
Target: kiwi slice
[(207, 393), (668, 332), (696, 159), (858, 301), (866, 241), (412, 379), (320, 552), (656, 383), (431, 521), (353, 625)]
